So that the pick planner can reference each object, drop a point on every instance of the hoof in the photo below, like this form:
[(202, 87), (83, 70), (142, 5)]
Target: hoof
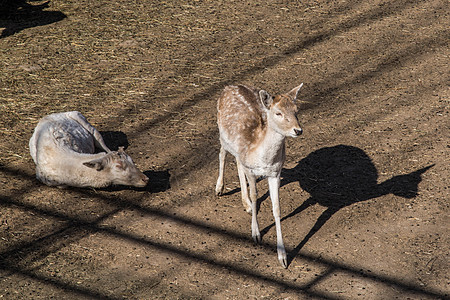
[(219, 191), (282, 257), (257, 238), (283, 262)]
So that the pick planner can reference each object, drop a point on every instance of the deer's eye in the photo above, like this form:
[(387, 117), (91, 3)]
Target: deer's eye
[(278, 114)]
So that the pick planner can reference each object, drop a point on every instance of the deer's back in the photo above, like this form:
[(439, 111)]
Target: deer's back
[(241, 118), (58, 133)]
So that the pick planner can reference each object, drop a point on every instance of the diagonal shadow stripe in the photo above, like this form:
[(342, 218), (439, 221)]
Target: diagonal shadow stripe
[(235, 268), (371, 16)]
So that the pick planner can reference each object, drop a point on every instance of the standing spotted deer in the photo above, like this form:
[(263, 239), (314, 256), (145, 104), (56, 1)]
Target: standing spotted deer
[(253, 127)]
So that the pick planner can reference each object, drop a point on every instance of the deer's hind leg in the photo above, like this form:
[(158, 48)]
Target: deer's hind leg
[(244, 192), (220, 183)]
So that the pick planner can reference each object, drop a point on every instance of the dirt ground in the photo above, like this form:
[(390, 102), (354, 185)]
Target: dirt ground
[(365, 189)]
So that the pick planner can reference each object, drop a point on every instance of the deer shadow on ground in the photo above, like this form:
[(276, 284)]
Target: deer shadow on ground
[(115, 139), (159, 181), (339, 176), (17, 15)]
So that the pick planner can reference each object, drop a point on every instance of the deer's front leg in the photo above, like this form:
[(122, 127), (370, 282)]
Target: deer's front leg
[(274, 185)]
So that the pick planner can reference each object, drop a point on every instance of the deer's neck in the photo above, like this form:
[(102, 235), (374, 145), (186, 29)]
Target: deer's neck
[(89, 176), (71, 171), (271, 149)]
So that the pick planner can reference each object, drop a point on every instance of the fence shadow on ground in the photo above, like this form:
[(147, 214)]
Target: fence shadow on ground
[(16, 258)]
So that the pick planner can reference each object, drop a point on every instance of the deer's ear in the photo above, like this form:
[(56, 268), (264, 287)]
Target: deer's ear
[(294, 92), (265, 98), (97, 164)]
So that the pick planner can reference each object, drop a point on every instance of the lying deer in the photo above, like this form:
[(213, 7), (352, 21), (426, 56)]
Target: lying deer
[(63, 149), (253, 127)]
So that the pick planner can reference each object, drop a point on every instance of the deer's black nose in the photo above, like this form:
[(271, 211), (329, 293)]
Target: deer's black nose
[(298, 131)]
